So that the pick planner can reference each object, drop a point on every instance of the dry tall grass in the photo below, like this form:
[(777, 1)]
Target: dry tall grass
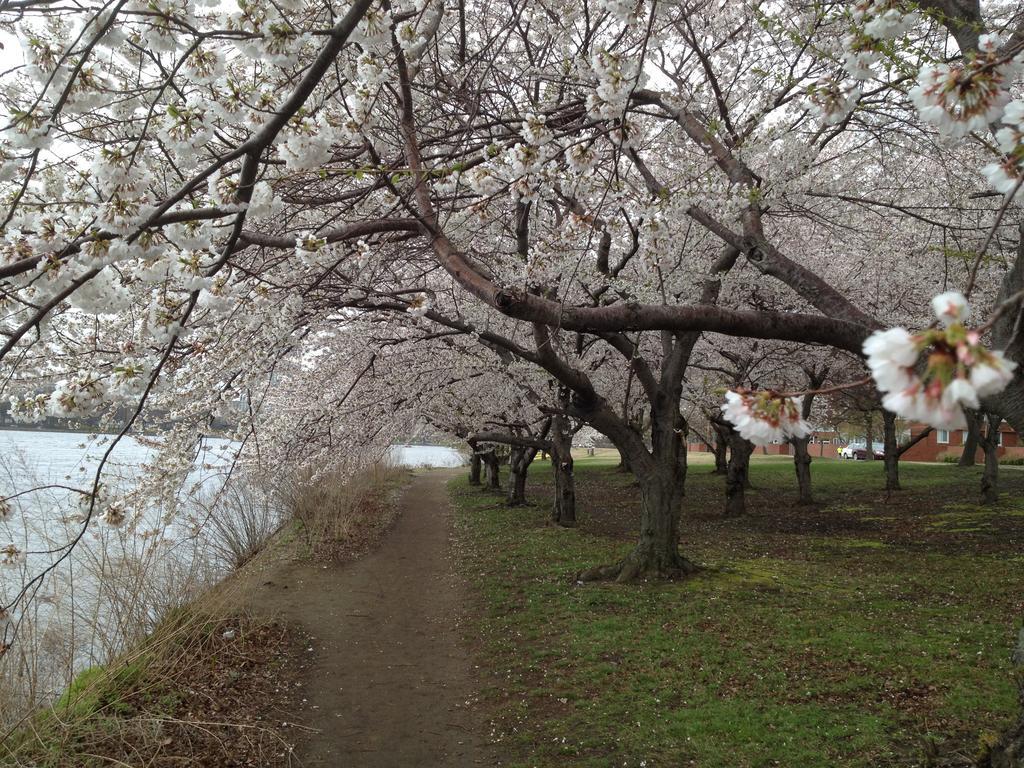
[(195, 692), (339, 513)]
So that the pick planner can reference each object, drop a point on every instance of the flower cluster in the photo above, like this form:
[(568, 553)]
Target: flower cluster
[(535, 129), (765, 417), (115, 515), (310, 250), (104, 506), (833, 101), (958, 370), (876, 21), (419, 305), (884, 19), (308, 145), (1005, 176), (965, 97), (11, 556), (263, 204), (621, 10), (616, 77)]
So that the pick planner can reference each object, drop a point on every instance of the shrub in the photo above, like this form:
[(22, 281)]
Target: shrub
[(336, 510), (242, 518)]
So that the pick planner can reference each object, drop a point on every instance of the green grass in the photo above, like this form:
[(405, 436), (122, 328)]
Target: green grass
[(852, 645)]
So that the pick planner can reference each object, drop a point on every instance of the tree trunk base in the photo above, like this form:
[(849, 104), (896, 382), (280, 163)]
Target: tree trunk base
[(1008, 751), (635, 568)]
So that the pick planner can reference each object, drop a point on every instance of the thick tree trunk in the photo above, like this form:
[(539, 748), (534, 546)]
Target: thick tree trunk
[(869, 436), (490, 459), (801, 453), (737, 473), (519, 464), (661, 476), (657, 552), (1008, 752), (968, 457), (624, 463), (802, 464), (892, 452), (517, 488), (625, 460), (1006, 335), (564, 512), (475, 466), (990, 475), (721, 449)]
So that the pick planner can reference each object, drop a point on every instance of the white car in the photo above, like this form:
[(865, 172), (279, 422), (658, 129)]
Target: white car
[(858, 451)]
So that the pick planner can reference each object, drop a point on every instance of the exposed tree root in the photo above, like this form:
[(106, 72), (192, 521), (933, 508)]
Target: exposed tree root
[(1008, 750), (635, 568)]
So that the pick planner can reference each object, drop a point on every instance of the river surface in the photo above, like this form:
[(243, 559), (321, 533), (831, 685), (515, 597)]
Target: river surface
[(425, 456), (115, 579)]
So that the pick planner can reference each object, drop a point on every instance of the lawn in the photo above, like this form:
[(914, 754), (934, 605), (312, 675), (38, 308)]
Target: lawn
[(863, 631)]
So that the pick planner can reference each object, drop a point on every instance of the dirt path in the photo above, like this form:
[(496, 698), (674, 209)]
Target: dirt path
[(390, 679)]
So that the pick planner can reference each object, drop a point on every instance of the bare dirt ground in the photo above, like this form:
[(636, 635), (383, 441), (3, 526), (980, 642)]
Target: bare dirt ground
[(388, 682)]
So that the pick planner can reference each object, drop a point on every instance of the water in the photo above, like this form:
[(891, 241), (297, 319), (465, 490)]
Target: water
[(426, 456), (45, 467), (84, 604), (47, 460)]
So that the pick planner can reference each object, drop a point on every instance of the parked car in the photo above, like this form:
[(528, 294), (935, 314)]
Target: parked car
[(859, 452)]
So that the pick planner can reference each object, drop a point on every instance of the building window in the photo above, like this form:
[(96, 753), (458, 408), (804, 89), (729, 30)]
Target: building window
[(942, 436), (999, 438)]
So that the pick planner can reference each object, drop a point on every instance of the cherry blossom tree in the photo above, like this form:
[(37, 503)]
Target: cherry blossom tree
[(565, 183)]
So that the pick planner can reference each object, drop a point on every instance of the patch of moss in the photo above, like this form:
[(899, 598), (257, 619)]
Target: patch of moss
[(860, 543)]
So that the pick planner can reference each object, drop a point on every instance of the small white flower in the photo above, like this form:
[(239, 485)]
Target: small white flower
[(114, 515), (891, 377), (1002, 177), (989, 43), (959, 392), (951, 307), (945, 418), (992, 377), (419, 305), (11, 556), (903, 403), (1014, 113), (895, 345)]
